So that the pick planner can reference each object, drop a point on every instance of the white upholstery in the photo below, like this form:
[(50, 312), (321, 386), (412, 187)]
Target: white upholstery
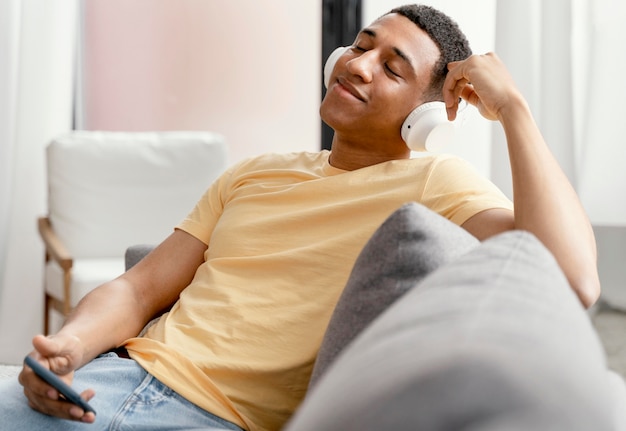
[(109, 190), (87, 274)]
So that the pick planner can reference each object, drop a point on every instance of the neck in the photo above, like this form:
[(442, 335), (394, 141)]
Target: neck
[(352, 157)]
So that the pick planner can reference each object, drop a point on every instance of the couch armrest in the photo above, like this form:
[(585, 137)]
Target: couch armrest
[(55, 248)]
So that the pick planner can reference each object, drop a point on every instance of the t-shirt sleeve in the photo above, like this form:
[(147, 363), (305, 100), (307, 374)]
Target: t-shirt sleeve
[(456, 190), (201, 221)]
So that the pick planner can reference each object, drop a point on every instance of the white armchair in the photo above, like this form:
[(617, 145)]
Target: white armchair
[(107, 190)]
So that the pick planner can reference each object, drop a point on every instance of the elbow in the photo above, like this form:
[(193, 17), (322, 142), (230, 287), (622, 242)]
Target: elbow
[(587, 289)]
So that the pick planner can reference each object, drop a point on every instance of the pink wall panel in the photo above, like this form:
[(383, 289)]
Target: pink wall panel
[(238, 67)]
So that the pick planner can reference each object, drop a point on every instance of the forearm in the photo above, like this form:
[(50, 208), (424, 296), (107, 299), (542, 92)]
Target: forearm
[(546, 203), (119, 309), (105, 318)]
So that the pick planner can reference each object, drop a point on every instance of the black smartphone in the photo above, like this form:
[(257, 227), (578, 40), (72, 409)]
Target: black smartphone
[(64, 389)]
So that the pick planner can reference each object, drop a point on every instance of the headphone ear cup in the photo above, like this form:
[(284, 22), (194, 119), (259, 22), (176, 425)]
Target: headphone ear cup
[(427, 127), (330, 63)]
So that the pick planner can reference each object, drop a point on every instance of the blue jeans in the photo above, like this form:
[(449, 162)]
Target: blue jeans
[(127, 398)]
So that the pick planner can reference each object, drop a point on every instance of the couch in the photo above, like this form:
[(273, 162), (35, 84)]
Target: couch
[(436, 331), (476, 336)]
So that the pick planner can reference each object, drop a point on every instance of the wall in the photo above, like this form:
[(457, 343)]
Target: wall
[(247, 70), (193, 79)]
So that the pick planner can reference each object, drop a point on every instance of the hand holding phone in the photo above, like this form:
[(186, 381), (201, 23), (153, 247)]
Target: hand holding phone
[(64, 389)]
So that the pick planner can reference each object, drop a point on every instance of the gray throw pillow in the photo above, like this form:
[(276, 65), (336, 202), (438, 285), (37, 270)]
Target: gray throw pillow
[(411, 243), (495, 340)]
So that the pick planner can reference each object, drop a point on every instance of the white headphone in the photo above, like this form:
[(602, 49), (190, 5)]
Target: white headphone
[(426, 128)]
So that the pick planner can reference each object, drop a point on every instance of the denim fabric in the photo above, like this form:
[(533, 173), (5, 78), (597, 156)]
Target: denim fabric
[(127, 398)]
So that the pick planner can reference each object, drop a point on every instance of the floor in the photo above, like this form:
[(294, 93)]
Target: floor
[(611, 326)]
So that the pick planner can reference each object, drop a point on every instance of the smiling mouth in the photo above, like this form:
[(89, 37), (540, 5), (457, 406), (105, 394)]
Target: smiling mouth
[(348, 87)]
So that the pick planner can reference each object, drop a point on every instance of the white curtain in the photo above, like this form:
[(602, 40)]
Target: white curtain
[(602, 184), (534, 39), (9, 40), (37, 39), (568, 58)]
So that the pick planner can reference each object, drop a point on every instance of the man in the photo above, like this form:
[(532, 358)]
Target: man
[(253, 273)]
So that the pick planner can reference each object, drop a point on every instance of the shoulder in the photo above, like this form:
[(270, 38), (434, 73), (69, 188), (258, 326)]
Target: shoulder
[(442, 161), (449, 168), (282, 161), (274, 167)]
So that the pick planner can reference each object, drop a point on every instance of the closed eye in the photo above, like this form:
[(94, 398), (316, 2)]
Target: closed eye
[(358, 48), (391, 70)]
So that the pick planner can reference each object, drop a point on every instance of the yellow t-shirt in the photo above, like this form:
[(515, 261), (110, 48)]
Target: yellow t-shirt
[(283, 232)]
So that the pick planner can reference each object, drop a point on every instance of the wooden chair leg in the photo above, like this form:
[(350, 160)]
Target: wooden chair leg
[(46, 314), (63, 306), (67, 305)]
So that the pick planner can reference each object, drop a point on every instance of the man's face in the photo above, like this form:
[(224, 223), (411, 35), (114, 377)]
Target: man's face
[(379, 80)]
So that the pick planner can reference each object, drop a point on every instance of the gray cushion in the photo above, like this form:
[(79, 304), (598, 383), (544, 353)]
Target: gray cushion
[(495, 340), (135, 253), (411, 243)]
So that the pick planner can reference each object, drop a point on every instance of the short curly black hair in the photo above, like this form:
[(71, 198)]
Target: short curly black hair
[(445, 32)]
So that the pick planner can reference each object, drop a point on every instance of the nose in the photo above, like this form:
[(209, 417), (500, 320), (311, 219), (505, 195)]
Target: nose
[(363, 65)]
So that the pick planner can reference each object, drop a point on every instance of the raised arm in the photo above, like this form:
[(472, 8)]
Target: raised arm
[(110, 314), (545, 201)]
